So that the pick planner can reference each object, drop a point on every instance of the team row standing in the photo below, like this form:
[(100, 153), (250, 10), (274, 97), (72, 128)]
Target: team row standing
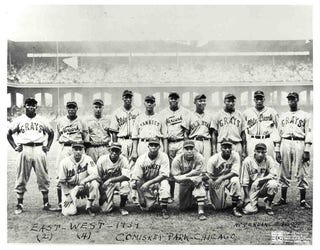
[(175, 124)]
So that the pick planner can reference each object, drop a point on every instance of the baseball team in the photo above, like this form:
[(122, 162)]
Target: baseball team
[(142, 156)]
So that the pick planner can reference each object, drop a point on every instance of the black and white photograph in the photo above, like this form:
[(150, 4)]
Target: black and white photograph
[(149, 124)]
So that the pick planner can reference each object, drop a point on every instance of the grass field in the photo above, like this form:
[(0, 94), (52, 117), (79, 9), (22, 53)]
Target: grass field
[(289, 225)]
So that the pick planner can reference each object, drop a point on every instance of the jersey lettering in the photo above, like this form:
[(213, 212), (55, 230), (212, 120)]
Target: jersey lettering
[(123, 120), (293, 120), (31, 126), (225, 121)]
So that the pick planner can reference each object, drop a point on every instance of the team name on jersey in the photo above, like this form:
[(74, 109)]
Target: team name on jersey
[(174, 120), (150, 122), (223, 168), (253, 121), (124, 120), (199, 123), (293, 120), (261, 171), (225, 121), (80, 169), (73, 129), (111, 172), (31, 126)]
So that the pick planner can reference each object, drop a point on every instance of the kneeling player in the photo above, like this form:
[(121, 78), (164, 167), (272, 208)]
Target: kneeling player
[(223, 171), (149, 178), (187, 169), (77, 176), (113, 171), (259, 180)]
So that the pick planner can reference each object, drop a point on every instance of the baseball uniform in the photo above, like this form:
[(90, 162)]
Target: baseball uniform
[(122, 123), (106, 170), (71, 173), (146, 169), (195, 186), (218, 166)]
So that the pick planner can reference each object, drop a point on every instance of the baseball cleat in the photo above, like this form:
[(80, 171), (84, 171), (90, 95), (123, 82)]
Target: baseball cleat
[(123, 212), (202, 216), (165, 214), (19, 209), (236, 213), (305, 205), (55, 209), (46, 207), (280, 202), (170, 201), (90, 212), (269, 211)]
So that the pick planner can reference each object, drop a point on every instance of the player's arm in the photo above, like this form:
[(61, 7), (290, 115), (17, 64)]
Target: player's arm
[(214, 140), (157, 179), (244, 144), (114, 136), (308, 139), (165, 145), (134, 154), (11, 141), (50, 140)]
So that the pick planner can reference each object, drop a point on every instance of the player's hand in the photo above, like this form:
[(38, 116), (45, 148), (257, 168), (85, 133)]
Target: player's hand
[(106, 184), (18, 148), (255, 184), (278, 157), (45, 149), (217, 183), (134, 156), (243, 156), (144, 187), (306, 156), (178, 178), (68, 201), (134, 185), (246, 202)]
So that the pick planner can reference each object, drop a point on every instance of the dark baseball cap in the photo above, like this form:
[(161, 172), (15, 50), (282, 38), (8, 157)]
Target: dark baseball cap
[(258, 93), (154, 140), (201, 96), (150, 98), (174, 94), (127, 92), (78, 144), (226, 142), (98, 101), (188, 143), (30, 101), (71, 104), (115, 145), (293, 94), (230, 96), (260, 146)]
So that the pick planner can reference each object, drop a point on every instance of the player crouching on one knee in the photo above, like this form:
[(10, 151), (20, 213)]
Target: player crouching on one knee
[(187, 170), (114, 172), (150, 178), (259, 180), (78, 178), (223, 173)]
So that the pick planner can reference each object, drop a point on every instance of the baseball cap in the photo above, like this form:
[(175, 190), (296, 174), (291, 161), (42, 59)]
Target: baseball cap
[(174, 94), (115, 145), (258, 93), (230, 96), (71, 104), (30, 101), (154, 140), (188, 143), (261, 146), (293, 94), (226, 142), (127, 92), (78, 144), (150, 98), (201, 96), (98, 101)]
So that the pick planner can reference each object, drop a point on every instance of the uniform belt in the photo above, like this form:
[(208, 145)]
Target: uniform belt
[(145, 139), (293, 138), (33, 144), (175, 140), (66, 143), (260, 136), (125, 137), (201, 138)]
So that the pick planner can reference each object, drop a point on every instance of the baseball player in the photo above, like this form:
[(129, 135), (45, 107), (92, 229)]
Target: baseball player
[(173, 117), (187, 169), (259, 180), (148, 125), (98, 137), (70, 129), (296, 140), (229, 123), (149, 177), (114, 174), (122, 122), (261, 125), (199, 127), (223, 173), (32, 132), (78, 179)]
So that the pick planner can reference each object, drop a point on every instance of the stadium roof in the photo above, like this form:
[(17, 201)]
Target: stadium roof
[(166, 23)]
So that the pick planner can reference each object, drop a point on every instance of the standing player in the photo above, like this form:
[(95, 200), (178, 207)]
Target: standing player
[(173, 117), (148, 125), (229, 123), (114, 174), (199, 126), (98, 138), (187, 169), (149, 177), (78, 179), (296, 140), (32, 132), (122, 122), (70, 130), (261, 125), (223, 172), (258, 178)]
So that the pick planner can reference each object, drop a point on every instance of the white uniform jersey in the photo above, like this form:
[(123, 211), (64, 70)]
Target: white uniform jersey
[(149, 126), (198, 125), (217, 166), (229, 125), (295, 124), (181, 166), (28, 130), (70, 130), (98, 129), (108, 169), (122, 121), (174, 121)]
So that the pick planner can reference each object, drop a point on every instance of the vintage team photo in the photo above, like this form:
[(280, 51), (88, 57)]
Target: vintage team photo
[(160, 125)]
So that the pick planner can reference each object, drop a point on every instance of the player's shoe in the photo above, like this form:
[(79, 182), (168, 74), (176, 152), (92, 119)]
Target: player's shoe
[(55, 209), (123, 212), (304, 205), (202, 216), (170, 200), (165, 214), (46, 207), (90, 212), (281, 202), (236, 213), (269, 211), (19, 209)]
